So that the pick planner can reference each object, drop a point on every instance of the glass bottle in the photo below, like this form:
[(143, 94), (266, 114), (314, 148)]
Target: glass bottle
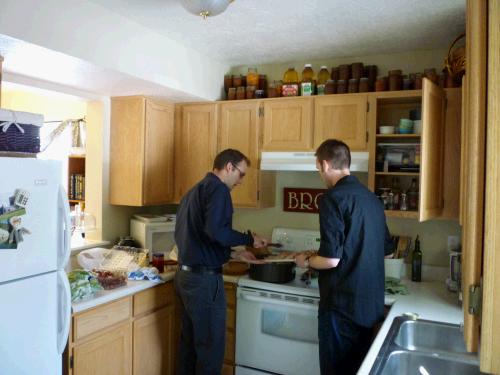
[(252, 77), (403, 204), (416, 262), (396, 190), (291, 76), (412, 194), (323, 77), (307, 85), (290, 83)]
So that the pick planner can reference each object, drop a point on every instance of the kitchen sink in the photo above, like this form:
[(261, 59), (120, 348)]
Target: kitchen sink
[(406, 362), (424, 347), (431, 336)]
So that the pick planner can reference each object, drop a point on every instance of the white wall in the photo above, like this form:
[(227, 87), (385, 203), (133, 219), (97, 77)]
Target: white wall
[(90, 32)]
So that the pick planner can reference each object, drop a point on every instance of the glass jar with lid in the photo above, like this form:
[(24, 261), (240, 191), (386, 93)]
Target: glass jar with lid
[(252, 77)]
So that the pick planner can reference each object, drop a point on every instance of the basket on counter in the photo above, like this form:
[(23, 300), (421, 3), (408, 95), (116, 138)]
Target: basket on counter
[(20, 131)]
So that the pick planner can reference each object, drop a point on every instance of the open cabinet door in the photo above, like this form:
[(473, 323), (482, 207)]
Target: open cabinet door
[(474, 121), (490, 324), (431, 174)]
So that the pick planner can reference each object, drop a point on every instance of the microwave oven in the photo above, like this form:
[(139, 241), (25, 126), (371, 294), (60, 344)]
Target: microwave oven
[(157, 237)]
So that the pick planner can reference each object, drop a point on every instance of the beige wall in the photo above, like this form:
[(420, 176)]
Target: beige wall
[(433, 233), (409, 62)]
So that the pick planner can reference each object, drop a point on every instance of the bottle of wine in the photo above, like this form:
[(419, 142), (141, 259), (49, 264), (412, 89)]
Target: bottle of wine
[(416, 262)]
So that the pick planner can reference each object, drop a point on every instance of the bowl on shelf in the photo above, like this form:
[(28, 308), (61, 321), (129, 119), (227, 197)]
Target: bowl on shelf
[(405, 126), (385, 129)]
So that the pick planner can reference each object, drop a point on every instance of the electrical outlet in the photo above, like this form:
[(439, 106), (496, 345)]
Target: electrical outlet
[(453, 243)]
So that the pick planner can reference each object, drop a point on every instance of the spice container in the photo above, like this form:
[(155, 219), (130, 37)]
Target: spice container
[(252, 77), (262, 82), (228, 82), (231, 93), (364, 85), (357, 70), (250, 92), (237, 82), (330, 87), (353, 85), (341, 86), (259, 94), (240, 93), (381, 84), (335, 74), (344, 72)]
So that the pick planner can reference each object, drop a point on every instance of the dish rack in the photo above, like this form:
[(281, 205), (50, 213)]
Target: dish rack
[(119, 258)]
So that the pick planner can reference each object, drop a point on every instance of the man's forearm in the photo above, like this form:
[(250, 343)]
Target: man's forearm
[(321, 263)]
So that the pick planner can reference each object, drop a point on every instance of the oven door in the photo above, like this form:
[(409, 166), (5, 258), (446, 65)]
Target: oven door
[(277, 332)]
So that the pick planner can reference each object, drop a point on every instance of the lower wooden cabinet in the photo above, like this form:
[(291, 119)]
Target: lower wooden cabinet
[(229, 353), (153, 343), (107, 353), (131, 335)]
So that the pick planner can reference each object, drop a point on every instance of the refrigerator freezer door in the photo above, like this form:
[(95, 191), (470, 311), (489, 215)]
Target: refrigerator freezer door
[(28, 326), (29, 217)]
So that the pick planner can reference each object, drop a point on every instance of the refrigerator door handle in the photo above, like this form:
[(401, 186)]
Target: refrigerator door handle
[(64, 310), (64, 250)]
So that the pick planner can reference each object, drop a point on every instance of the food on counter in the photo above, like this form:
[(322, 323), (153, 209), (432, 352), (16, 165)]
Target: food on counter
[(110, 280), (82, 284)]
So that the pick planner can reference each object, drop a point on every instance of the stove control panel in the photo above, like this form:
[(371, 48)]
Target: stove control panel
[(296, 239)]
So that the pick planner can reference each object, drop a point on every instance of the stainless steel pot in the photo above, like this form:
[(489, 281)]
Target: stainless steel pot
[(278, 273)]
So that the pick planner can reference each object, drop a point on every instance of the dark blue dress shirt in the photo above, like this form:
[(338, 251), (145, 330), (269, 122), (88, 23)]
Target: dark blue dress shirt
[(203, 229), (353, 229)]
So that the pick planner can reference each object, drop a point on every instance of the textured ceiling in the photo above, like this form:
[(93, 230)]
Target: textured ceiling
[(271, 31)]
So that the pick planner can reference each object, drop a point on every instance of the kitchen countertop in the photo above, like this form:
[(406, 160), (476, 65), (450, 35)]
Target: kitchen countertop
[(85, 244), (429, 299), (132, 287)]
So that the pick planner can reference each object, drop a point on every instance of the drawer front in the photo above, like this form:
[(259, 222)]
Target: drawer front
[(153, 298), (101, 317)]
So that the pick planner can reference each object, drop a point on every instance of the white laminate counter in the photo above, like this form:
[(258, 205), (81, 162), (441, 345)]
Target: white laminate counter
[(429, 299), (85, 244), (132, 287)]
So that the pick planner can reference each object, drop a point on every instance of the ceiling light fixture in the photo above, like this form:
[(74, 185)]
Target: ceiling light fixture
[(206, 8)]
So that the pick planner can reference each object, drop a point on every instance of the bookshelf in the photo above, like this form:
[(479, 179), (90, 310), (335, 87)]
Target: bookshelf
[(76, 179)]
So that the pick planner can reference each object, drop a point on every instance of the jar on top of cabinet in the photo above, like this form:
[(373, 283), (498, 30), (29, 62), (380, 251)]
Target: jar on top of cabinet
[(252, 77)]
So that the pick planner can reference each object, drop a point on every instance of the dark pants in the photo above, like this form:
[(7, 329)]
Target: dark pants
[(342, 344), (202, 343)]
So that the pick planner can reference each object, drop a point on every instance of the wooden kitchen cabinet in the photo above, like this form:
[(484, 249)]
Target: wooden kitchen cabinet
[(341, 117), (239, 128), (288, 124), (229, 354), (142, 151), (195, 144), (388, 108)]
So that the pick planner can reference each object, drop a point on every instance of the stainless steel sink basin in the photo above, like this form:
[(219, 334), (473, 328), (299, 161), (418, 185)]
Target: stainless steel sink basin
[(430, 336), (405, 362), (424, 347)]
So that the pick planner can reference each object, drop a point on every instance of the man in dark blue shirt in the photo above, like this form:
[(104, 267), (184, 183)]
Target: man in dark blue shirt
[(204, 237), (350, 260)]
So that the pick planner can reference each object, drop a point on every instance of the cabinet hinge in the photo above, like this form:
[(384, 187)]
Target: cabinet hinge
[(475, 299), (261, 111), (367, 106), (71, 362)]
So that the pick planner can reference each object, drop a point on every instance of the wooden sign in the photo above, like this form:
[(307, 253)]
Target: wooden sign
[(302, 199)]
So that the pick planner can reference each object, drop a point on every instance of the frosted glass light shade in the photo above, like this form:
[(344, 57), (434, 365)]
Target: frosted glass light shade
[(205, 8)]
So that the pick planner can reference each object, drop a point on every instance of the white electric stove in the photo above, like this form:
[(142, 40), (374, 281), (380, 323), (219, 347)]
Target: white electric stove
[(276, 324)]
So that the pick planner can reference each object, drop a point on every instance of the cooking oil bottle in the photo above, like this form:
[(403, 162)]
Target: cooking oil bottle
[(290, 82), (307, 85), (323, 77)]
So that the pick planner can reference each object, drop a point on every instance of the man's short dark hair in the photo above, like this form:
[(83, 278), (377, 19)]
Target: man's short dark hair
[(229, 156), (335, 152)]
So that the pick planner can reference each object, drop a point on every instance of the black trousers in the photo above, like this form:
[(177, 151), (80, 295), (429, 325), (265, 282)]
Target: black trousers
[(342, 344), (202, 344)]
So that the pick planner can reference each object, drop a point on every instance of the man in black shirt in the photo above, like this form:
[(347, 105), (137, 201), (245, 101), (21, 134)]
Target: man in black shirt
[(204, 237), (350, 260)]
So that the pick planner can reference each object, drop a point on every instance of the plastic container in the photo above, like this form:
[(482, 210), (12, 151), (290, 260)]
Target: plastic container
[(394, 267), (291, 76), (307, 85), (323, 77)]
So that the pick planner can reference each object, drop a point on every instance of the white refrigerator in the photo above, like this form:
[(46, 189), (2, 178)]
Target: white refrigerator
[(35, 299)]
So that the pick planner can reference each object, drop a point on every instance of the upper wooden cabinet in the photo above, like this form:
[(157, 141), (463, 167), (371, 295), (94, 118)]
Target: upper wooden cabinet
[(239, 128), (388, 108), (341, 117), (288, 124), (195, 144), (142, 151)]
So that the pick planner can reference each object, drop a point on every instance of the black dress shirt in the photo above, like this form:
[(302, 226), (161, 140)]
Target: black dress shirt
[(203, 229), (353, 229)]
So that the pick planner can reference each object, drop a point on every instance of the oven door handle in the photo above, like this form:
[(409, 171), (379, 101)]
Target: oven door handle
[(279, 302)]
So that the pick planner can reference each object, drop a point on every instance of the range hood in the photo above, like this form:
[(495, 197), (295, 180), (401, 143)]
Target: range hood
[(305, 161)]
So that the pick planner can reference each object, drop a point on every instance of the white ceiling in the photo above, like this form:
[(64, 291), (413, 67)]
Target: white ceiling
[(271, 31)]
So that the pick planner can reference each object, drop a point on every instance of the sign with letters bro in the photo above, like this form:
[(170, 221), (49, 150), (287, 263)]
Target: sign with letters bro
[(302, 199)]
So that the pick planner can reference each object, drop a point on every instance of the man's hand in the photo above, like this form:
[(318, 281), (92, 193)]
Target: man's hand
[(259, 242)]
